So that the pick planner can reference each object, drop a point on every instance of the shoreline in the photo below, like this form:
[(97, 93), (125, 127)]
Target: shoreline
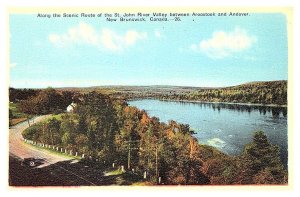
[(211, 102)]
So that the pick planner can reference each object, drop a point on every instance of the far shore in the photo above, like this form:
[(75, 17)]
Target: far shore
[(230, 103)]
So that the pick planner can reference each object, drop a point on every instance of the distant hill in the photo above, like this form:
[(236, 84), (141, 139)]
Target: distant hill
[(267, 92), (261, 84), (260, 92)]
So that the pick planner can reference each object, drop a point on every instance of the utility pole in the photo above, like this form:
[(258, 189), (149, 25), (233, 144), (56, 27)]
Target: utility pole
[(28, 120), (129, 152), (156, 162), (129, 148), (52, 136)]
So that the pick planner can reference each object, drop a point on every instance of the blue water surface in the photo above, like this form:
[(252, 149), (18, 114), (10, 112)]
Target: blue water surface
[(227, 127)]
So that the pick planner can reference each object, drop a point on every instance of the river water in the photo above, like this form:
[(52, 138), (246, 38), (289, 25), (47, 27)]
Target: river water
[(227, 127)]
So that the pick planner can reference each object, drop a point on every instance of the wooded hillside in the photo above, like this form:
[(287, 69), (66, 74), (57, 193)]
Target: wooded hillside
[(108, 129)]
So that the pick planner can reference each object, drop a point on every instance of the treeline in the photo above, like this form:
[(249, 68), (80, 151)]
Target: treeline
[(45, 101), (109, 130), (272, 92), (16, 95), (263, 93)]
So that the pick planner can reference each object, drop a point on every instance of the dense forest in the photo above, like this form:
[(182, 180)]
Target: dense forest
[(42, 101), (262, 93), (25, 103), (270, 92), (16, 95), (106, 128)]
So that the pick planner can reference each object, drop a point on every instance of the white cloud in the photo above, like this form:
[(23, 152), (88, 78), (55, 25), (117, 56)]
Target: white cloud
[(110, 39), (106, 38), (132, 36), (113, 41), (223, 44), (81, 34)]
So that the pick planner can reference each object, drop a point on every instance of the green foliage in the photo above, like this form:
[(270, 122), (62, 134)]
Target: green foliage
[(110, 130), (258, 164), (68, 129), (11, 115), (184, 161), (16, 95), (46, 101), (269, 92), (15, 111), (33, 132), (97, 120), (222, 170), (260, 92), (260, 158)]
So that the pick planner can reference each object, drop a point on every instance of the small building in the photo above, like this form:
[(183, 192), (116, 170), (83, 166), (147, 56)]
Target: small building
[(71, 107)]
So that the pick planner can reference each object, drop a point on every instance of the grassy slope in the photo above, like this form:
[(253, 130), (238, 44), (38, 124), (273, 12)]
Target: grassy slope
[(18, 116)]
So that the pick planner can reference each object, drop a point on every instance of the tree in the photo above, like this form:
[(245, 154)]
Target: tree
[(11, 116), (98, 122), (16, 95), (221, 170), (181, 159), (81, 142), (53, 127), (260, 158), (68, 128), (46, 101), (148, 153)]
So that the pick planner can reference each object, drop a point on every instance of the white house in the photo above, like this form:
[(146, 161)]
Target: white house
[(71, 107)]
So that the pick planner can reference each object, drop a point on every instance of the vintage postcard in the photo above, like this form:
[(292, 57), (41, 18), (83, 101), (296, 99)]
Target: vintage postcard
[(150, 97)]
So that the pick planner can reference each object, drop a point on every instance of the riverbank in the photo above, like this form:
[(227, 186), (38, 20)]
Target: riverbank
[(211, 102), (224, 126)]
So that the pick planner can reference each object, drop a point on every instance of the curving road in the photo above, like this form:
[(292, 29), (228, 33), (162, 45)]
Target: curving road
[(19, 149), (52, 171), (56, 170)]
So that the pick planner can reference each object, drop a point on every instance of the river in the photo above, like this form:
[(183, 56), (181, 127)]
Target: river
[(227, 127)]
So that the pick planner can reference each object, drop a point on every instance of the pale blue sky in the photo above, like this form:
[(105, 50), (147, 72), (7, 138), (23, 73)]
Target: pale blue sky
[(209, 51)]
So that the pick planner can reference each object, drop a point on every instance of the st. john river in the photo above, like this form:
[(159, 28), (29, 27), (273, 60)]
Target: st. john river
[(227, 127)]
